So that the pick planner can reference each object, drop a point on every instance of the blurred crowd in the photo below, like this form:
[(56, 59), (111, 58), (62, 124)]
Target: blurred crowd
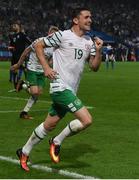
[(118, 18)]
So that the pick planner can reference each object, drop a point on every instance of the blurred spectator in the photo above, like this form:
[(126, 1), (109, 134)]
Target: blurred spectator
[(110, 56), (132, 55), (119, 19)]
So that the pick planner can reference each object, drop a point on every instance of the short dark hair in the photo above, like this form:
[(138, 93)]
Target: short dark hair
[(53, 28), (76, 12)]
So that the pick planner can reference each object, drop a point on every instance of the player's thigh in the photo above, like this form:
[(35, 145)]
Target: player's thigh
[(57, 110), (84, 116), (51, 121), (34, 90), (40, 89), (63, 102)]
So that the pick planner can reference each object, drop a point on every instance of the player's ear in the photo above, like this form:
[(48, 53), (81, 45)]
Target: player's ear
[(75, 20)]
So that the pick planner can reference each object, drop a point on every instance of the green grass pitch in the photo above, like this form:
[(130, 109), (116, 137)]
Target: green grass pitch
[(107, 149)]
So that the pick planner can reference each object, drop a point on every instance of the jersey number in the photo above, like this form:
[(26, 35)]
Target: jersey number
[(78, 53)]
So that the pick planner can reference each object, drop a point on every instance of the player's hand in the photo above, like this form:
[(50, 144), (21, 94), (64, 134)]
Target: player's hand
[(50, 73), (98, 43), (14, 67)]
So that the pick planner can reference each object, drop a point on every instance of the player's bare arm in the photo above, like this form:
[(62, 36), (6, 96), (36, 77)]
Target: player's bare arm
[(22, 59), (39, 48), (95, 61)]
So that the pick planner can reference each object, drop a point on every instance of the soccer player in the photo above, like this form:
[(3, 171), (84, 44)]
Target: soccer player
[(18, 42), (35, 73), (110, 56), (72, 49)]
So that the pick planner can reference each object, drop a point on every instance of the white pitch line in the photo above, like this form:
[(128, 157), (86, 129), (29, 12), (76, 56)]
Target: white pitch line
[(89, 107), (16, 111), (49, 169), (24, 99)]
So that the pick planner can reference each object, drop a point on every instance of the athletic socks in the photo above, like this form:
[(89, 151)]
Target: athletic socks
[(38, 135), (30, 102), (40, 132), (72, 128)]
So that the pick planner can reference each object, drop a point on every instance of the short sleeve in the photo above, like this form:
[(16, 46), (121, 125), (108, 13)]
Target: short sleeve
[(53, 40)]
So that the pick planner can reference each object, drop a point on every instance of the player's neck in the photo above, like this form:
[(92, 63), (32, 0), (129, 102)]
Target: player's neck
[(77, 31)]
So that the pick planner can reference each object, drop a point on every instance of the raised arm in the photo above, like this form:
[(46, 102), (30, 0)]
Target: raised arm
[(95, 61)]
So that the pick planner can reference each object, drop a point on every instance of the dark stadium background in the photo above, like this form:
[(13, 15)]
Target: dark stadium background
[(116, 22), (109, 149)]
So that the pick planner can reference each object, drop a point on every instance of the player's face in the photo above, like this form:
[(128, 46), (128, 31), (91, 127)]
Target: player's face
[(84, 20), (15, 27)]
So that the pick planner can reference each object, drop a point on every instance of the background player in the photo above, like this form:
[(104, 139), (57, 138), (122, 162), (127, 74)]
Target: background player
[(35, 73), (110, 56), (18, 42)]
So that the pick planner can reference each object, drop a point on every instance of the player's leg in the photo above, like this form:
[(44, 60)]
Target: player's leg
[(75, 126), (15, 73), (15, 79), (20, 72), (22, 84), (40, 132), (34, 93), (10, 76), (37, 135), (37, 82), (10, 73), (82, 121), (107, 61)]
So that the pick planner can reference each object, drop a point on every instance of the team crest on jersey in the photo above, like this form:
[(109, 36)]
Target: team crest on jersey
[(77, 102), (87, 47)]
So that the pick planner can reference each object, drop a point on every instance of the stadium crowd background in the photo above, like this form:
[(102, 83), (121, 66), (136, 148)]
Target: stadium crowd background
[(119, 18)]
